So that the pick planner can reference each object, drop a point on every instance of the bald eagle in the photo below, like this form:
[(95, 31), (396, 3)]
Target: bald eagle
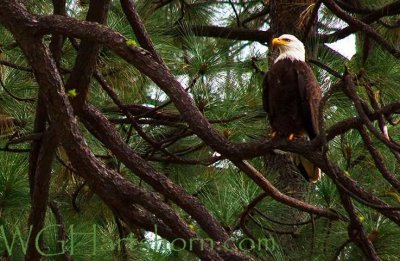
[(291, 98)]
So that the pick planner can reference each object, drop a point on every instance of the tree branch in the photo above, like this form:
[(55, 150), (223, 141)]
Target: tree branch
[(241, 34), (355, 122), (349, 90), (15, 66), (255, 16), (62, 235), (140, 31), (40, 193), (379, 160), (112, 188), (260, 180), (362, 25), (105, 132), (356, 229), (86, 60)]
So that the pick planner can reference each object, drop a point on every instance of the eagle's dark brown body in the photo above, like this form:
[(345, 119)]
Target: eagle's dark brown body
[(291, 97)]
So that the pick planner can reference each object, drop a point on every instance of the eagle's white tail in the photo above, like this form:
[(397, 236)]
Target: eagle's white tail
[(311, 172)]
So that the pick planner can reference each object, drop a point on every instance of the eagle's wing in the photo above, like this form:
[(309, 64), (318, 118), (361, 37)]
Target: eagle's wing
[(310, 96)]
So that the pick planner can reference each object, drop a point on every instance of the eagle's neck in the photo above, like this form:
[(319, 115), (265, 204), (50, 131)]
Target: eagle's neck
[(293, 55)]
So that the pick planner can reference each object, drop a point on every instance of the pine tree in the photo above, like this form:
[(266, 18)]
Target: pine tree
[(139, 133)]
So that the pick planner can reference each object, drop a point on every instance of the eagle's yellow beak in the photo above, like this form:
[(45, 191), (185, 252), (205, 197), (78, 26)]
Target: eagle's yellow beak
[(278, 42)]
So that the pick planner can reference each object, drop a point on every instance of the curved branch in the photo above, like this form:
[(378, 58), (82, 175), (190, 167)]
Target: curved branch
[(355, 122), (62, 235), (145, 62), (283, 223), (362, 25), (373, 16), (30, 100), (250, 207), (260, 180), (326, 68), (349, 90), (111, 187), (15, 66), (356, 229), (379, 160), (105, 132), (40, 193)]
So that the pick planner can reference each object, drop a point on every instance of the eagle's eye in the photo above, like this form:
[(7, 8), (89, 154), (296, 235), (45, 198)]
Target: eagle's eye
[(286, 39)]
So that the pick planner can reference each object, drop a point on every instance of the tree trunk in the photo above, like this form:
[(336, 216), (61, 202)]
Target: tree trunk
[(291, 17), (295, 17)]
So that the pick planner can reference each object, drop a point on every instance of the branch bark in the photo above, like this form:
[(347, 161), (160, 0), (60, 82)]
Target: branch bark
[(140, 31), (362, 25), (109, 185), (105, 132), (240, 34), (356, 229), (40, 193), (86, 60), (146, 64)]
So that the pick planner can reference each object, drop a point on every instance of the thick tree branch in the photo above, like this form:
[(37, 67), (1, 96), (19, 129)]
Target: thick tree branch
[(241, 34), (147, 64), (117, 192), (38, 127), (40, 192), (86, 60), (57, 40), (106, 133), (144, 62), (312, 20)]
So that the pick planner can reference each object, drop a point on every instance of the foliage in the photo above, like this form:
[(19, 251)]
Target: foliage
[(225, 83)]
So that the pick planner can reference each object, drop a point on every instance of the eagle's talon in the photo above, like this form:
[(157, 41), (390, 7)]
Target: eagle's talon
[(273, 134), (291, 137)]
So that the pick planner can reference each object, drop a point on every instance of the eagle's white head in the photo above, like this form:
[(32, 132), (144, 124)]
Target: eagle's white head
[(289, 47)]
